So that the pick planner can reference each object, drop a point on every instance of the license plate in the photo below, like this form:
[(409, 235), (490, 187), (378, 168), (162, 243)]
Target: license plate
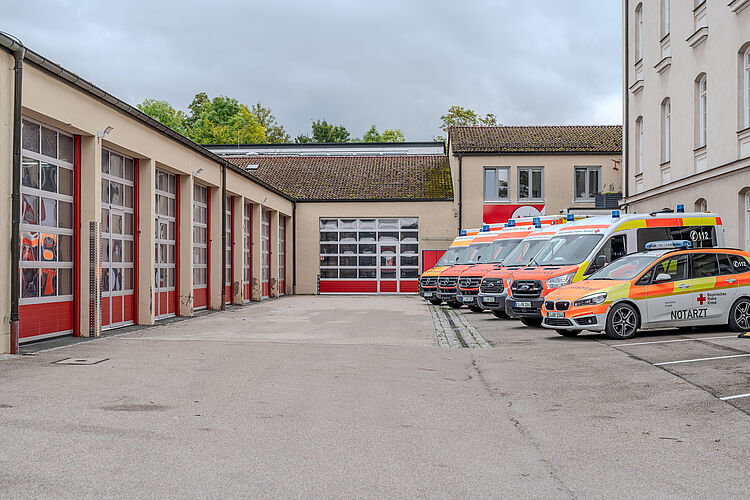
[(488, 299), (523, 304), (468, 299), (428, 294), (555, 314)]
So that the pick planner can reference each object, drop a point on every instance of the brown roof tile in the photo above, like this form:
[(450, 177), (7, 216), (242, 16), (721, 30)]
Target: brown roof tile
[(354, 177), (538, 139)]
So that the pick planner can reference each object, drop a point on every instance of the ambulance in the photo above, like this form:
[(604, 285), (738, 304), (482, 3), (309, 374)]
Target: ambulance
[(582, 247), (429, 279), (494, 254), (494, 285), (669, 285)]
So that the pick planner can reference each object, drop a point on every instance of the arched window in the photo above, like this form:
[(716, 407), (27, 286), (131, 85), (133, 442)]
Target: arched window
[(639, 145), (701, 205), (746, 61), (702, 110), (666, 127), (639, 32)]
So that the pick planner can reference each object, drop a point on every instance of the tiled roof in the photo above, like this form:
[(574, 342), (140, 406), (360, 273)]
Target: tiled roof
[(539, 139), (354, 177)]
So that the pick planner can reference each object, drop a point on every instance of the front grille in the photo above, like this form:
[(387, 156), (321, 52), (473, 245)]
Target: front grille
[(558, 322), (526, 289), (491, 285), (449, 282), (562, 305), (469, 282), (549, 305), (428, 281)]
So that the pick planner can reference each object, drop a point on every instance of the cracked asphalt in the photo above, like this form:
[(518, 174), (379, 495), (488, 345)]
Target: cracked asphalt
[(355, 397)]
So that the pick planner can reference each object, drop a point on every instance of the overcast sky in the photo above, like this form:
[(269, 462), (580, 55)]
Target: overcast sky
[(394, 63)]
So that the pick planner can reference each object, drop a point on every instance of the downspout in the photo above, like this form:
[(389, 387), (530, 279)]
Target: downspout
[(15, 278), (460, 192), (223, 279), (626, 106), (294, 248)]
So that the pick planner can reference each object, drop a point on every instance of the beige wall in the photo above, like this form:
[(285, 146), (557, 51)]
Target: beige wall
[(6, 181), (559, 180), (437, 228), (719, 172)]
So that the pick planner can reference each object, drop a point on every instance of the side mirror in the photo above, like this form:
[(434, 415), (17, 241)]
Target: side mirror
[(662, 277), (601, 261)]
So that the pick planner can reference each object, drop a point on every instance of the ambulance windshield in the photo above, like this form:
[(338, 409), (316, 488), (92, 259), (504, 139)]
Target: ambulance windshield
[(624, 268), (497, 251), (450, 256), (522, 254), (472, 255), (567, 250)]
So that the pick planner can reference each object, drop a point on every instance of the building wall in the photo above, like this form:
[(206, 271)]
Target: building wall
[(54, 103), (720, 168), (437, 228), (559, 180)]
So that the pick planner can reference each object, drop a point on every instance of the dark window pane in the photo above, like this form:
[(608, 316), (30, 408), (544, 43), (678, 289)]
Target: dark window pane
[(30, 209), (29, 246), (329, 261), (30, 173), (49, 142), (523, 183), (705, 265), (48, 213), (348, 261), (66, 148), (536, 181), (49, 282), (329, 236), (347, 273), (65, 281), (49, 177), (348, 249), (367, 273), (581, 183), (65, 214), (65, 181), (30, 139), (329, 249), (29, 283), (409, 273), (329, 273), (367, 262)]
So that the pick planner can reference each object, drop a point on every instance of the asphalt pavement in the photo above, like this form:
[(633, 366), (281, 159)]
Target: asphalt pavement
[(369, 397)]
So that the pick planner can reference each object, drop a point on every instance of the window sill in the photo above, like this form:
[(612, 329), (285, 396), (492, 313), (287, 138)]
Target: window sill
[(665, 163), (636, 87), (663, 65), (496, 201), (738, 6), (700, 36), (638, 175), (535, 201), (584, 200), (701, 149), (743, 143)]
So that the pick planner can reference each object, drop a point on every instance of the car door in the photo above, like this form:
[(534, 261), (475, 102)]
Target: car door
[(669, 295), (716, 293)]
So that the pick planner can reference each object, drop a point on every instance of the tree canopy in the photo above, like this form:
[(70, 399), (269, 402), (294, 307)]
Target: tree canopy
[(388, 135), (322, 131), (458, 116)]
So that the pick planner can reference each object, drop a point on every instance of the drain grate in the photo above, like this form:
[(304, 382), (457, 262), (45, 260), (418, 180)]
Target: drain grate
[(79, 361)]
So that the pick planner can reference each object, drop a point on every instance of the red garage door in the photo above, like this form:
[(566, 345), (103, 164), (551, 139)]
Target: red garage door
[(369, 255), (165, 271), (46, 261)]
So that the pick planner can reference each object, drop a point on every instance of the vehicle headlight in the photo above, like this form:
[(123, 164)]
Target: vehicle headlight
[(559, 281), (591, 300)]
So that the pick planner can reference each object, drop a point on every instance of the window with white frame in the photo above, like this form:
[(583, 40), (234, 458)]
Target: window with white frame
[(666, 14), (702, 110), (639, 131), (588, 182), (247, 252), (746, 60), (666, 136), (282, 253), (46, 214), (639, 32), (496, 183), (530, 183), (228, 220), (200, 236)]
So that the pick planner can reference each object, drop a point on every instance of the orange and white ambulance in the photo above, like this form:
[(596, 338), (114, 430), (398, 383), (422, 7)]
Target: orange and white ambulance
[(582, 247), (674, 287), (428, 281)]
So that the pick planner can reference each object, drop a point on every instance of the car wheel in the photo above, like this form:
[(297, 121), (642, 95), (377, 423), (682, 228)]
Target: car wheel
[(500, 314), (455, 305), (622, 322), (568, 333), (436, 302), (739, 315), (535, 322), (476, 309)]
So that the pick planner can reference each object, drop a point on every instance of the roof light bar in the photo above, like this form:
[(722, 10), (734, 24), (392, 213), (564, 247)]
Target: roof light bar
[(680, 208), (485, 228), (668, 244), (571, 217), (462, 233), (511, 223), (615, 214)]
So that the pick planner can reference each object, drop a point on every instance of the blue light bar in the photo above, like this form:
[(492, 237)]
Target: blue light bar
[(571, 217), (680, 208), (462, 233), (485, 228), (615, 214), (511, 223), (668, 244)]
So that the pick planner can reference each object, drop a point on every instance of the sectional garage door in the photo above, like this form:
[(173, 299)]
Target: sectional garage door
[(377, 255)]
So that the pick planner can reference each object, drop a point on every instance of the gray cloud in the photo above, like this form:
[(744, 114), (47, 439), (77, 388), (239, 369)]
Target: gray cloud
[(398, 64)]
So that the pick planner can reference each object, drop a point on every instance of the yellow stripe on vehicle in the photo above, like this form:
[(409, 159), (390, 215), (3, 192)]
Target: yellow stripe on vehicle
[(699, 221), (703, 284), (581, 269), (631, 224)]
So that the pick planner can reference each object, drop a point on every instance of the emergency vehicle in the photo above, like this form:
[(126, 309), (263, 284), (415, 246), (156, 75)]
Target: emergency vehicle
[(494, 255), (494, 285), (428, 281), (582, 247), (673, 287)]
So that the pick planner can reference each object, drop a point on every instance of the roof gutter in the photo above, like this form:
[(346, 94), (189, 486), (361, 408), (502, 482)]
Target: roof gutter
[(19, 51), (74, 80), (625, 104), (460, 191)]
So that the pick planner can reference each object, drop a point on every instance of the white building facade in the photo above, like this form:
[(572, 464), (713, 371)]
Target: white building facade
[(687, 109)]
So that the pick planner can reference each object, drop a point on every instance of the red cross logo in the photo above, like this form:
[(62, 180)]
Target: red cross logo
[(701, 299)]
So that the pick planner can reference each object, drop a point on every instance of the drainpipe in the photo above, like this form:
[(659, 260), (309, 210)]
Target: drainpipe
[(626, 104), (223, 279), (460, 192), (294, 248), (15, 278)]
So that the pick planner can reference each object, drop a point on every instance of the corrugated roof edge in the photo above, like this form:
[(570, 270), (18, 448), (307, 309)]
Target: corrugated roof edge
[(71, 78)]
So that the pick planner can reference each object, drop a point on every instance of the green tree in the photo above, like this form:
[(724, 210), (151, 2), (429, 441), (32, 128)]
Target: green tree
[(322, 131), (275, 132), (388, 135), (199, 104), (163, 112), (458, 116), (223, 120)]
